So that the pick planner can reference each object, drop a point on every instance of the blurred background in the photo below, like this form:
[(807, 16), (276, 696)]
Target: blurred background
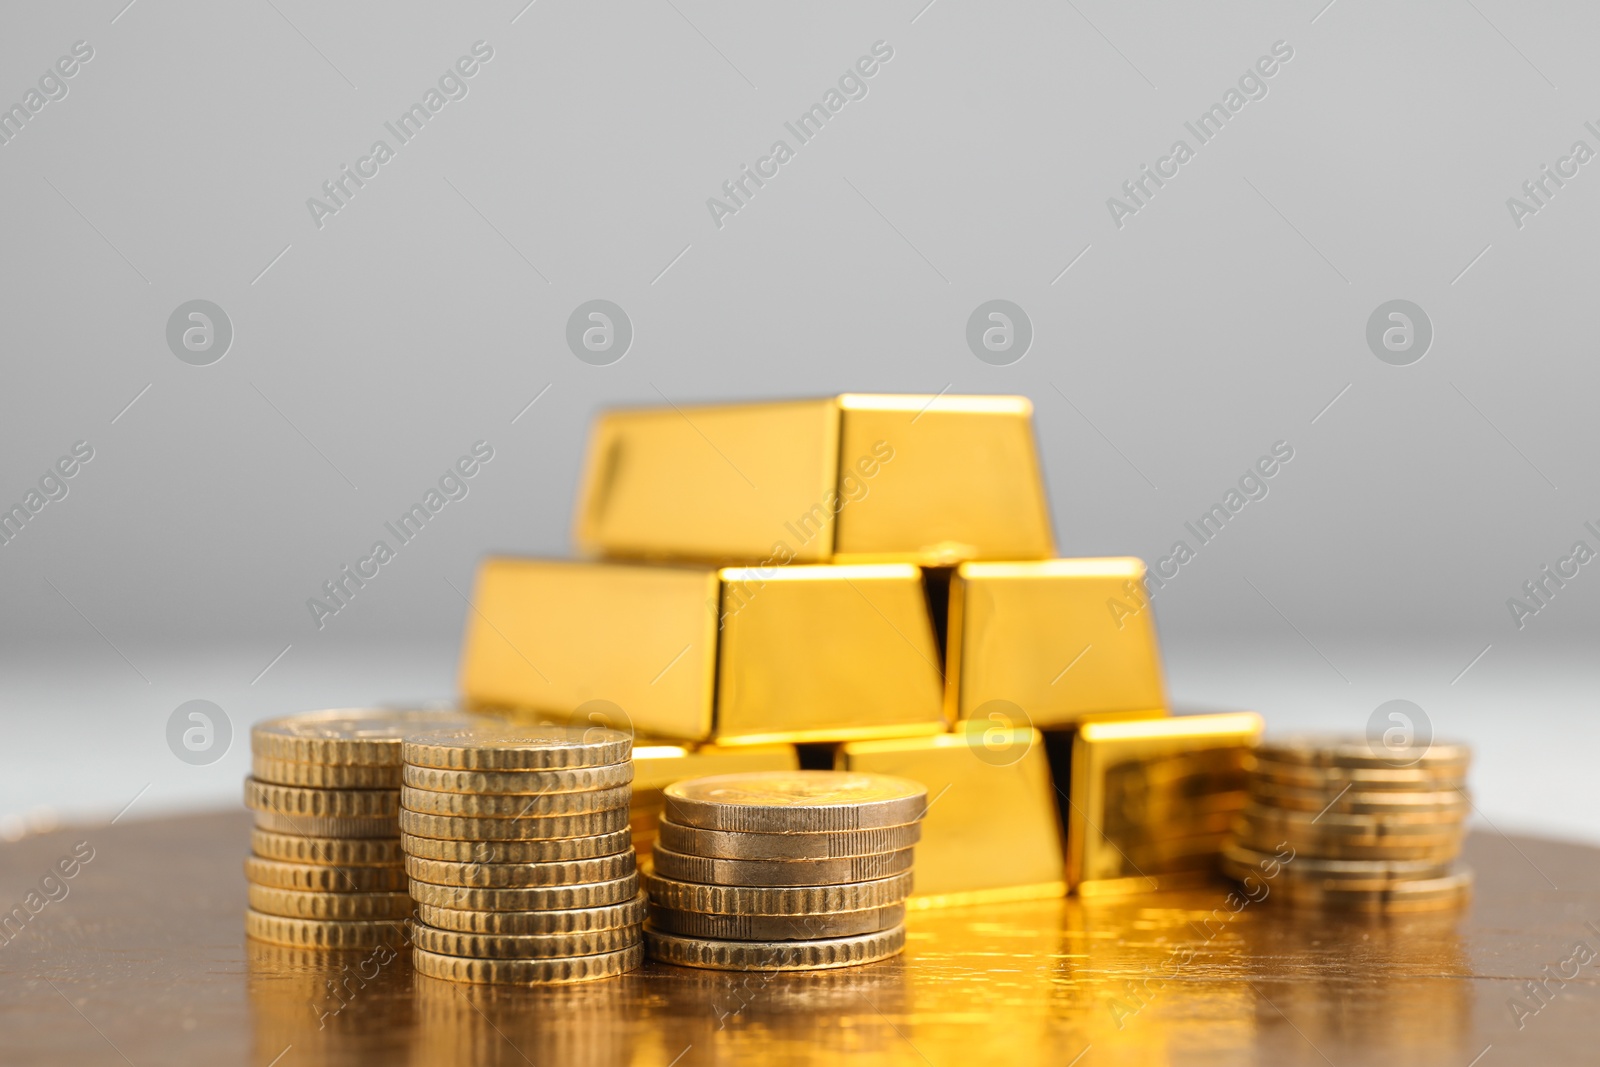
[(367, 317)]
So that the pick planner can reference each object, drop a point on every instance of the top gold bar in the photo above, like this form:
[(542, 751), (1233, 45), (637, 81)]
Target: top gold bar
[(856, 478)]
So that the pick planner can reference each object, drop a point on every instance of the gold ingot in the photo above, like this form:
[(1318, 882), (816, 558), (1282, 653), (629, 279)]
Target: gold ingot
[(849, 479), (1062, 639), (991, 831), (1128, 783), (753, 655)]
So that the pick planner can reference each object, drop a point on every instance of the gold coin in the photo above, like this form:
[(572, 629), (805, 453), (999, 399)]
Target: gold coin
[(1436, 849), (777, 927), (1337, 751), (347, 735), (319, 878), (328, 851), (324, 933), (322, 803), (1452, 803), (1239, 862), (774, 955), (795, 801), (1362, 779), (520, 875), (709, 871), (325, 775), (777, 900), (552, 850), (1450, 890), (319, 826), (460, 828), (527, 972), (556, 921), (518, 747), (721, 844), (298, 904), (569, 780), (513, 805), (525, 946), (1333, 823), (529, 898)]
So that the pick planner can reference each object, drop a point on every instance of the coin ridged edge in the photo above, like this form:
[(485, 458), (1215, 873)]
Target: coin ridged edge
[(777, 927), (600, 752), (523, 875), (527, 972), (535, 850), (525, 946), (323, 878), (531, 898), (708, 870), (512, 805), (777, 900), (327, 851), (518, 782), (321, 803), (558, 921), (732, 845), (327, 934), (302, 904), (774, 956), (533, 828), (325, 775)]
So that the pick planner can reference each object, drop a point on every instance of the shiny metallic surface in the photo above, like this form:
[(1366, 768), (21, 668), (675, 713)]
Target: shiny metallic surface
[(145, 959)]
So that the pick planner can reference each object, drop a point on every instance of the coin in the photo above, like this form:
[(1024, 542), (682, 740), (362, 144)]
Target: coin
[(571, 780), (795, 801), (324, 933), (525, 946), (1449, 890), (711, 871), (325, 775), (1238, 862), (555, 921), (320, 878), (1448, 804), (460, 828), (531, 898), (1332, 750), (527, 972), (322, 803), (346, 735), (316, 826), (513, 805), (1365, 779), (1437, 850), (777, 927), (329, 851), (746, 846), (1335, 823), (780, 900), (551, 850), (518, 746), (774, 955), (518, 875), (303, 905)]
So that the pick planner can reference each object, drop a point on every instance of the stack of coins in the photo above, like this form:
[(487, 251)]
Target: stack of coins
[(1369, 830), (783, 870), (517, 845), (326, 870)]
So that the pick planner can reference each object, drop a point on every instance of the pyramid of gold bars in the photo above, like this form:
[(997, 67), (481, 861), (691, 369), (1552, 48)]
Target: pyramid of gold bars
[(867, 583)]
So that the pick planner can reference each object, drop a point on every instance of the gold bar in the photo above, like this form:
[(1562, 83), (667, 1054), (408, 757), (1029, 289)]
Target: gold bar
[(991, 831), (657, 765), (698, 653), (1061, 639), (1152, 799), (849, 479)]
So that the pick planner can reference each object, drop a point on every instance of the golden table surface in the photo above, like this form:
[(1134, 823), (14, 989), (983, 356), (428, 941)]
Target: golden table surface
[(144, 961)]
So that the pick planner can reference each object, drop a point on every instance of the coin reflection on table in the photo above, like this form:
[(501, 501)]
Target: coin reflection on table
[(326, 1004)]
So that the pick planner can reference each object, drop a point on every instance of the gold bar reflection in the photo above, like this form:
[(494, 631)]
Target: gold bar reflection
[(749, 655), (848, 479), (1061, 638), (1151, 800), (991, 831)]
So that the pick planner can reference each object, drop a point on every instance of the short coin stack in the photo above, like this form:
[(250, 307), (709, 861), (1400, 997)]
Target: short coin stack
[(783, 870), (327, 868), (1375, 830), (517, 844)]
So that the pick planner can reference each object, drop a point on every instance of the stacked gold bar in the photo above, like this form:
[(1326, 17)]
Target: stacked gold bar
[(798, 870), (1345, 824), (517, 846), (327, 870)]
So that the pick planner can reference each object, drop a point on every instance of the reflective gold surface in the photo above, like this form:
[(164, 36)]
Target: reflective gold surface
[(991, 829), (144, 962), (1153, 800), (1049, 638), (753, 655), (856, 478)]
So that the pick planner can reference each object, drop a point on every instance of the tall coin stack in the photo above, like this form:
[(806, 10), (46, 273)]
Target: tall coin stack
[(516, 841), (1368, 830), (783, 870), (326, 870)]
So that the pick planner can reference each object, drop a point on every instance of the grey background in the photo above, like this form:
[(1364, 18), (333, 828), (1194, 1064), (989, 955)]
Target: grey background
[(1228, 314)]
